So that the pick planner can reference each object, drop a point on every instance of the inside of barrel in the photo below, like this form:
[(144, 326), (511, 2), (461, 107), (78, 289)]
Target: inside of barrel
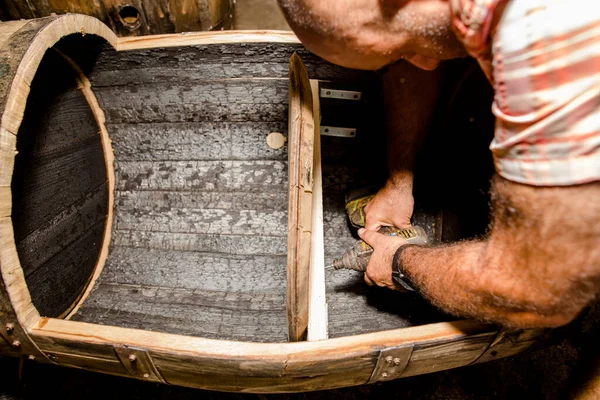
[(59, 186), (200, 224)]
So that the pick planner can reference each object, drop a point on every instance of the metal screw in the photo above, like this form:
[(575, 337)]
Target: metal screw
[(16, 343), (328, 93), (384, 375), (146, 376), (9, 327), (132, 358), (396, 361), (388, 359)]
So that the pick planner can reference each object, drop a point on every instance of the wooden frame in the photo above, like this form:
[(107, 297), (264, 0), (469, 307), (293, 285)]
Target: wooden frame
[(197, 362)]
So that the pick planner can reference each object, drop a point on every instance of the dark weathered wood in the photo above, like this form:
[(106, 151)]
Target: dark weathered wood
[(59, 192), (263, 100), (195, 270), (196, 141), (232, 244), (65, 228), (165, 200), (211, 314), (57, 284), (205, 221), (223, 175), (216, 61)]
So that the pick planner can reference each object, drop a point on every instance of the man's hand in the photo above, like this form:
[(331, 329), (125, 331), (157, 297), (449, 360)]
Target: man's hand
[(392, 206), (379, 269)]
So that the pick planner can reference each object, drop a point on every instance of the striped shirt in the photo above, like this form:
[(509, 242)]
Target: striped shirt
[(543, 58)]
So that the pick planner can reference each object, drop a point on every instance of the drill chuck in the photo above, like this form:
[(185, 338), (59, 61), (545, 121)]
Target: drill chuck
[(358, 256)]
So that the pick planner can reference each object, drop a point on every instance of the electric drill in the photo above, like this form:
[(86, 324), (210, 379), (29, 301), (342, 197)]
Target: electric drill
[(358, 256)]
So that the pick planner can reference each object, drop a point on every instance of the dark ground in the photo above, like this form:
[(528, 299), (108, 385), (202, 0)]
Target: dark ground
[(558, 369)]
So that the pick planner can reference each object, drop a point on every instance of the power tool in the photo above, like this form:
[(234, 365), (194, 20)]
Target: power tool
[(358, 256)]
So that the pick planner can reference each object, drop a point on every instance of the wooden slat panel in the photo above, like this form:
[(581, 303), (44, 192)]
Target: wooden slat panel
[(196, 141), (262, 100), (246, 176), (301, 146), (225, 315), (195, 270)]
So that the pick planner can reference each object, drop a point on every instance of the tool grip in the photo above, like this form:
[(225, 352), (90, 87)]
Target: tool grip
[(358, 256)]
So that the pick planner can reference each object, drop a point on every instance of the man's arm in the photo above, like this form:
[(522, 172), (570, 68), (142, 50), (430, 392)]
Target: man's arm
[(411, 96), (539, 266)]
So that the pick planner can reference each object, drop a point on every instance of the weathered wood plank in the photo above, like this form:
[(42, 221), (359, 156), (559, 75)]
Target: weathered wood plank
[(57, 284), (193, 270), (227, 100), (211, 314), (300, 166), (66, 227), (247, 176), (215, 61), (44, 187), (196, 141), (227, 244), (205, 221), (232, 244), (164, 200)]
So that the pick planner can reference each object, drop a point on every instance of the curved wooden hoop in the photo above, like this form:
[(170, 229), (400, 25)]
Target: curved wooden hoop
[(44, 34)]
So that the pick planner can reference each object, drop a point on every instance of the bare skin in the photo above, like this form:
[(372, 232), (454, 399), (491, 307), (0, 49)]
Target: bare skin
[(539, 265), (407, 121)]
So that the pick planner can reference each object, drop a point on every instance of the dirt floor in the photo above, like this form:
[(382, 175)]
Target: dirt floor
[(558, 369)]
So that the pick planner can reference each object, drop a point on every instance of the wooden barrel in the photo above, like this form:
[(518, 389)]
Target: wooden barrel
[(134, 17), (149, 227)]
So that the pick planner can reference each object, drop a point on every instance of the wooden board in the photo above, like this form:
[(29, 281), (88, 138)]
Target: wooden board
[(301, 147), (317, 328)]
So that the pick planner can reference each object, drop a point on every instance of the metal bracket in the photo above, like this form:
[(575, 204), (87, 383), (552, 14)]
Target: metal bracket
[(338, 132), (391, 363), (340, 94), (139, 363)]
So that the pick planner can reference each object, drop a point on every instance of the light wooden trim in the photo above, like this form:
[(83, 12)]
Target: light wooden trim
[(109, 160), (300, 166), (317, 302), (46, 37), (205, 38), (166, 342)]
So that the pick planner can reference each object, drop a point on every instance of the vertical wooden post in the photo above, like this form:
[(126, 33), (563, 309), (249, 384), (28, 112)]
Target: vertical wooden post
[(317, 304), (301, 145)]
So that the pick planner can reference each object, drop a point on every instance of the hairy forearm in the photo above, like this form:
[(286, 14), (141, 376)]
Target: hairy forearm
[(456, 279), (410, 96), (538, 267)]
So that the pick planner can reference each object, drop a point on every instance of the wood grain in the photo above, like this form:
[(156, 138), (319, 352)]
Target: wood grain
[(60, 197), (157, 16), (300, 164)]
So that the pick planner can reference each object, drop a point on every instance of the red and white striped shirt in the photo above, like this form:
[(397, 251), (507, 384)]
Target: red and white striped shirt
[(543, 58)]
